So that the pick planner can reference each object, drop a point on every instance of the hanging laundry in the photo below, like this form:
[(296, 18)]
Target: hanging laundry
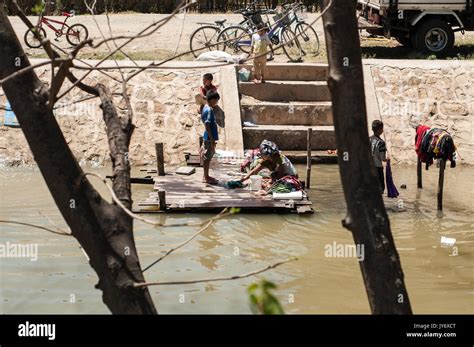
[(392, 191), (433, 144)]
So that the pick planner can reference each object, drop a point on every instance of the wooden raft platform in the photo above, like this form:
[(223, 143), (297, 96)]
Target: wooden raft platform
[(188, 193)]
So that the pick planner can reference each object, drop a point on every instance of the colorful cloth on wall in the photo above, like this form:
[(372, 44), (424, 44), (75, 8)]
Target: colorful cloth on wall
[(434, 143)]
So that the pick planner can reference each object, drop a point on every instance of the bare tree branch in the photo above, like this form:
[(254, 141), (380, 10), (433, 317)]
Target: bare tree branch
[(217, 279), (222, 214), (162, 22), (36, 226), (34, 66)]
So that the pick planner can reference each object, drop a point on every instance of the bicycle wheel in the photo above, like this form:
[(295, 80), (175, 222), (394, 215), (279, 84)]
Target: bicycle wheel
[(308, 39), (76, 34), (203, 37), (291, 45), (30, 38), (234, 38)]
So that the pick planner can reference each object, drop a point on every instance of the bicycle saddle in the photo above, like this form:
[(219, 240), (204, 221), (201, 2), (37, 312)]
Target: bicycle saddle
[(67, 14), (220, 22), (250, 13)]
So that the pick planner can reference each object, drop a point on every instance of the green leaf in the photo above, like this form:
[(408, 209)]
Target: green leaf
[(234, 210), (262, 301), (38, 8)]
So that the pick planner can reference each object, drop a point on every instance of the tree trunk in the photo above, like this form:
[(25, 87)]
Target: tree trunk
[(102, 229), (366, 216)]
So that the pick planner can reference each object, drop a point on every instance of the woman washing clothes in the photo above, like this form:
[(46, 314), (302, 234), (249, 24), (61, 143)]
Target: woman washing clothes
[(283, 176)]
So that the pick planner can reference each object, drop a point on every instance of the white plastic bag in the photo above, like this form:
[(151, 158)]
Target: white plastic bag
[(214, 56)]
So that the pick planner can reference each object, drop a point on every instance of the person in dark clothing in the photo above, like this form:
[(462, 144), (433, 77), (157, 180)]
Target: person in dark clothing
[(379, 151)]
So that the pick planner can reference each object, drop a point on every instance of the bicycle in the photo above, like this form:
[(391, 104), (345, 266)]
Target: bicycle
[(307, 36), (75, 33), (206, 35), (239, 38)]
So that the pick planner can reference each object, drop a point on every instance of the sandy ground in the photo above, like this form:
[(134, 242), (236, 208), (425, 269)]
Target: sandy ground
[(174, 37)]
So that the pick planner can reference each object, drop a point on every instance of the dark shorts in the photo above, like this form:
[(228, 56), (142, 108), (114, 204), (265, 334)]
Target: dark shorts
[(381, 178), (207, 151)]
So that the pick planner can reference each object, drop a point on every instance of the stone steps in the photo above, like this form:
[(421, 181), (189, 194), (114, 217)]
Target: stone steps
[(294, 72), (282, 91), (290, 137), (294, 98), (290, 113)]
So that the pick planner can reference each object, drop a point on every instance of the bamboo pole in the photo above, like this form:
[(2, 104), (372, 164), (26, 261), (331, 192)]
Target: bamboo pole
[(419, 174), (442, 166), (308, 157)]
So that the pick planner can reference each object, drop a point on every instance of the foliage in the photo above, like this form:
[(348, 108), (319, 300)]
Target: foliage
[(38, 8), (234, 210), (262, 301)]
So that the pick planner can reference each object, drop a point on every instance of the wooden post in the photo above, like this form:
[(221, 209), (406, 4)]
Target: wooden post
[(160, 159), (419, 174), (308, 157), (442, 166), (162, 199)]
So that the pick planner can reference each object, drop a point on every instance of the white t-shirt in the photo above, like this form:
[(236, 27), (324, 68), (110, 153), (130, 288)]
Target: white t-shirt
[(260, 43)]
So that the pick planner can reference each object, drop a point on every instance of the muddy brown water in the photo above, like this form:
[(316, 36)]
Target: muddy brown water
[(439, 280)]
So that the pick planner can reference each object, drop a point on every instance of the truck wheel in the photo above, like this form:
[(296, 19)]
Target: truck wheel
[(434, 36)]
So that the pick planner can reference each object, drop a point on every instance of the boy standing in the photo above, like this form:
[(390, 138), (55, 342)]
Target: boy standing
[(260, 43), (211, 135), (206, 86), (379, 151)]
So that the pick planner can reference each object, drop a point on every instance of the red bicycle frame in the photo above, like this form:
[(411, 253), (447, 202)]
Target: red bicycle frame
[(47, 22)]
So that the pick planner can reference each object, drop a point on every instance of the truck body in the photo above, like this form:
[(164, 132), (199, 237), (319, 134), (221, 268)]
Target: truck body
[(427, 25)]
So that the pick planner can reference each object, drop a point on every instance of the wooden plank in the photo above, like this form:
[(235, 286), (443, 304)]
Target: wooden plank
[(185, 170), (188, 193), (193, 160), (304, 209)]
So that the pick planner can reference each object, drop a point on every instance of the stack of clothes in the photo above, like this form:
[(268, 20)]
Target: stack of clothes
[(283, 175), (286, 184), (434, 143)]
